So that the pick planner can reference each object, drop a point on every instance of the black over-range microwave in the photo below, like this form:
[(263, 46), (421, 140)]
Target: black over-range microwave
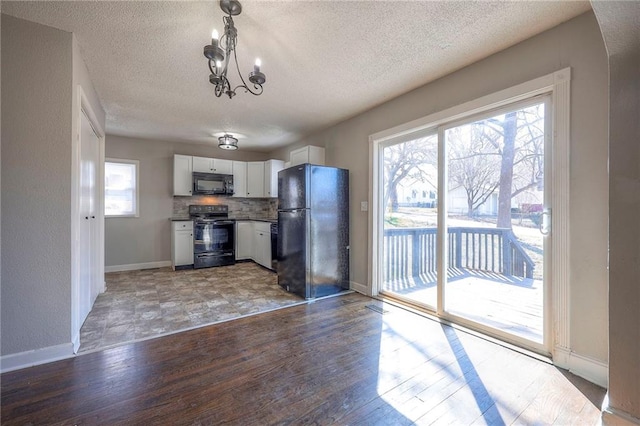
[(212, 184)]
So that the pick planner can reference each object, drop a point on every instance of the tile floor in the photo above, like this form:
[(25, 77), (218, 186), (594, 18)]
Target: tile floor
[(153, 302)]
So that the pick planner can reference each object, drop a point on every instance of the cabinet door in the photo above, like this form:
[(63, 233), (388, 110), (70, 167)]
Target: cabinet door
[(308, 154), (202, 165), (299, 156), (183, 248), (220, 166), (182, 180), (244, 240), (271, 169), (240, 179), (255, 179), (262, 248)]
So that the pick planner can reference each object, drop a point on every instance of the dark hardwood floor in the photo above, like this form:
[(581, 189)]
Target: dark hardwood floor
[(335, 361)]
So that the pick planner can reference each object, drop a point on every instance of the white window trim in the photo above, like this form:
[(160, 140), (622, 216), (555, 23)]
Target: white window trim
[(556, 84), (137, 194)]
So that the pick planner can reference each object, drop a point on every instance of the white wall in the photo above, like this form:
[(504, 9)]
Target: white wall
[(37, 94), (147, 239), (576, 44)]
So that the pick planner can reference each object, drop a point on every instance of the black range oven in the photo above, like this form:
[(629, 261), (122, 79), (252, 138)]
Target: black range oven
[(213, 236)]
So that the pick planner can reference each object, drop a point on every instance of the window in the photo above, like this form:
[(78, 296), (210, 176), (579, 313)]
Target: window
[(121, 188)]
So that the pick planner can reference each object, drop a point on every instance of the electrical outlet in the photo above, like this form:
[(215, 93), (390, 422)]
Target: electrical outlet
[(364, 206)]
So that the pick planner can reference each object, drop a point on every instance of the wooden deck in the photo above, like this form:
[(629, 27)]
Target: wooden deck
[(341, 360), (510, 304)]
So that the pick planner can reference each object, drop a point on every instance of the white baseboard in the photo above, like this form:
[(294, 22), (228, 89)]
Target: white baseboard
[(588, 368), (35, 357), (137, 266), (360, 288), (613, 417), (75, 343)]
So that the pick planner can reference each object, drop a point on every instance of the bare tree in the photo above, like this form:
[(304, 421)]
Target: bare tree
[(472, 164), (407, 161)]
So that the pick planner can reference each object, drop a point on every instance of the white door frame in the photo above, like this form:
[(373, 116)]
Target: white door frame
[(556, 84), (84, 107)]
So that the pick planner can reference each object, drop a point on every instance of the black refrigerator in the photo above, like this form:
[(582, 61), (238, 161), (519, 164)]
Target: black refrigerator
[(313, 230)]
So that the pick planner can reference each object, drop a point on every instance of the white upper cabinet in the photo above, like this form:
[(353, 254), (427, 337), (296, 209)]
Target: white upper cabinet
[(308, 154), (240, 179), (271, 169), (255, 179), (212, 165), (182, 180), (224, 167), (202, 165)]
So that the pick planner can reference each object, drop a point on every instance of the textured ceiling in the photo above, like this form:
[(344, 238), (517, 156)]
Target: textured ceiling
[(325, 61)]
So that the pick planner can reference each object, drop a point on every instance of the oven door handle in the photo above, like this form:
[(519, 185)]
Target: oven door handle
[(214, 222), (214, 254)]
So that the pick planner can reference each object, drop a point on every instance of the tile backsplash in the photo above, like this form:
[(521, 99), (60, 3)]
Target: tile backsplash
[(239, 208)]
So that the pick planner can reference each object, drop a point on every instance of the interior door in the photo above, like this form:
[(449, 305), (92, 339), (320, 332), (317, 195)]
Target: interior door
[(89, 157)]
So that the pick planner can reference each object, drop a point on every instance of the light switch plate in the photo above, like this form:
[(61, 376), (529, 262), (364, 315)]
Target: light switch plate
[(364, 206)]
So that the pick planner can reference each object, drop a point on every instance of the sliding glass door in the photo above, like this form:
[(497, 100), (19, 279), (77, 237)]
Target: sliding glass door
[(465, 219)]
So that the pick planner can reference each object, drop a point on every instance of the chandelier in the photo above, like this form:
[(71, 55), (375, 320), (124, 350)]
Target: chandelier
[(221, 51), (227, 142)]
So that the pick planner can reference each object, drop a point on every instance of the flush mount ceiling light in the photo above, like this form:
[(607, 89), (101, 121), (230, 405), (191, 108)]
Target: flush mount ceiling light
[(227, 142), (220, 53)]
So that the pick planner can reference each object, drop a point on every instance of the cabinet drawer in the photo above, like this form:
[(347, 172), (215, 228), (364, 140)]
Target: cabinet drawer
[(262, 227), (182, 225)]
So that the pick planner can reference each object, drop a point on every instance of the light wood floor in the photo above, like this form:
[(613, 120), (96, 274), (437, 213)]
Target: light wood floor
[(335, 361), (510, 304)]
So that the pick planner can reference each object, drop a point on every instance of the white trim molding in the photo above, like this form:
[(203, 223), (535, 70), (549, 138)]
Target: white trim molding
[(588, 368), (560, 274), (614, 417), (360, 288), (26, 359), (138, 266)]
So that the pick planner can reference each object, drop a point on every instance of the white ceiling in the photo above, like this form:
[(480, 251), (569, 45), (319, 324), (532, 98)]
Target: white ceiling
[(325, 61)]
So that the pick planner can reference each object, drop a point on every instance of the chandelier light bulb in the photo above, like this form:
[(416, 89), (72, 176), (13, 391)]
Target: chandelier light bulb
[(214, 34), (218, 64)]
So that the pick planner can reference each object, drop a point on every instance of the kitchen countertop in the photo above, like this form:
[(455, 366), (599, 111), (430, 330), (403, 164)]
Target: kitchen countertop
[(180, 218), (262, 219)]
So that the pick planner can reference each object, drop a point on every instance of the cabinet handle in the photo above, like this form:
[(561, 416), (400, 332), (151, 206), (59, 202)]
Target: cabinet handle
[(93, 217), (86, 217)]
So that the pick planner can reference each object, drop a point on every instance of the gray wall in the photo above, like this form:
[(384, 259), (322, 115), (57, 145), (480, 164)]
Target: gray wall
[(36, 182), (36, 158), (147, 238), (576, 44), (620, 23)]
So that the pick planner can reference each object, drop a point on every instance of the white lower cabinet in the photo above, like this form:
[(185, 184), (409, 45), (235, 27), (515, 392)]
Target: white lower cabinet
[(262, 244), (181, 243), (253, 241), (244, 240)]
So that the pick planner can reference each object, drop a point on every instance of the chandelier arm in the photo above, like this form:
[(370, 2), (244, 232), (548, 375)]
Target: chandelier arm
[(247, 89), (244, 83)]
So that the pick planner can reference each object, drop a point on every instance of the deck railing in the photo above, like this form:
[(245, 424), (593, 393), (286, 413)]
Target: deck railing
[(412, 252)]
